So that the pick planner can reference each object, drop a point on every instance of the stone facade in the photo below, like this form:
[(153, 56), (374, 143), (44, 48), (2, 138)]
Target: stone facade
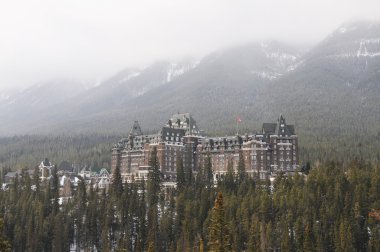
[(272, 150)]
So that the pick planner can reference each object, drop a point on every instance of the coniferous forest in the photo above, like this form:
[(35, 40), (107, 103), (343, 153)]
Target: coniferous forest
[(327, 208)]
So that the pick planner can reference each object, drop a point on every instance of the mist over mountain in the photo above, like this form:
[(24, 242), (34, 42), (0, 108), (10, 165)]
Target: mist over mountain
[(332, 93), (332, 90)]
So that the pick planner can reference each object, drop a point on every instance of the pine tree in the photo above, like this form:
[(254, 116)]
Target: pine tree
[(189, 176), (308, 244), (181, 179), (219, 238), (201, 245), (254, 235), (229, 180), (242, 175), (55, 189), (36, 179), (142, 225), (117, 182), (153, 198), (4, 243), (59, 238), (207, 172)]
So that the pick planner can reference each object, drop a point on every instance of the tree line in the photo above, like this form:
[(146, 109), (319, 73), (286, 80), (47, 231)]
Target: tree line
[(331, 209)]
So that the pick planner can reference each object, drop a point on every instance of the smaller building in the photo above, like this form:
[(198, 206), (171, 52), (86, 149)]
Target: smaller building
[(45, 169), (102, 179)]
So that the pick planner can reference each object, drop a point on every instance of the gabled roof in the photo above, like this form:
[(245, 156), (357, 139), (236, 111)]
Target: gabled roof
[(184, 121), (290, 129), (46, 162), (11, 174), (104, 171), (280, 128), (269, 128)]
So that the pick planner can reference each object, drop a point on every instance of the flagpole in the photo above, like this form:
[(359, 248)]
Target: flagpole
[(237, 127)]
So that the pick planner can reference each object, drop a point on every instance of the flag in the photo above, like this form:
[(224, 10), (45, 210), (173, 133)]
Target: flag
[(238, 120)]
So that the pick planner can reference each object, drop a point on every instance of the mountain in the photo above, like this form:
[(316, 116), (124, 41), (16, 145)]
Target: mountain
[(26, 104), (46, 106), (224, 84), (6, 96), (338, 79), (153, 93), (126, 85), (333, 93), (330, 92)]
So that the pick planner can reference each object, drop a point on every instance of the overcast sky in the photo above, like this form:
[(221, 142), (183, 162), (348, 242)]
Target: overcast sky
[(91, 40)]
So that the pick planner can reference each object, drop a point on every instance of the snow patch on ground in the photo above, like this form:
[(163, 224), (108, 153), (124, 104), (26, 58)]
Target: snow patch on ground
[(266, 75), (281, 56), (363, 50), (294, 66), (129, 76), (176, 70), (140, 92), (344, 29)]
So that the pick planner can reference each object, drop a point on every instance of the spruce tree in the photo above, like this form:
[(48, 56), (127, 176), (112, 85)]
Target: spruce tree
[(208, 177), (189, 176), (4, 243), (55, 189), (153, 198), (117, 182), (219, 238), (36, 179), (242, 175), (229, 180), (181, 179), (142, 225)]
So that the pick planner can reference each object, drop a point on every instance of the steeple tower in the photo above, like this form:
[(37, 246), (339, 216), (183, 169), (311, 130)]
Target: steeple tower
[(281, 126), (136, 129)]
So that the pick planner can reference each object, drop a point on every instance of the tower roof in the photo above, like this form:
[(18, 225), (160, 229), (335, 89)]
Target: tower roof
[(280, 128), (136, 129), (184, 121)]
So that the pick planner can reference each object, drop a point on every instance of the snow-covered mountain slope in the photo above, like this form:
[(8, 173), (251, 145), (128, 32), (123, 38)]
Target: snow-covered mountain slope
[(41, 95), (335, 88), (7, 96), (353, 40), (332, 84), (175, 85)]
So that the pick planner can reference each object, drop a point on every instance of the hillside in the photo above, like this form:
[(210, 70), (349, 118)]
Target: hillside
[(330, 93)]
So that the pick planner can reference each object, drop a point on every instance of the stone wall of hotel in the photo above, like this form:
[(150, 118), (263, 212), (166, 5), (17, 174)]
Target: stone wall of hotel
[(285, 153)]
